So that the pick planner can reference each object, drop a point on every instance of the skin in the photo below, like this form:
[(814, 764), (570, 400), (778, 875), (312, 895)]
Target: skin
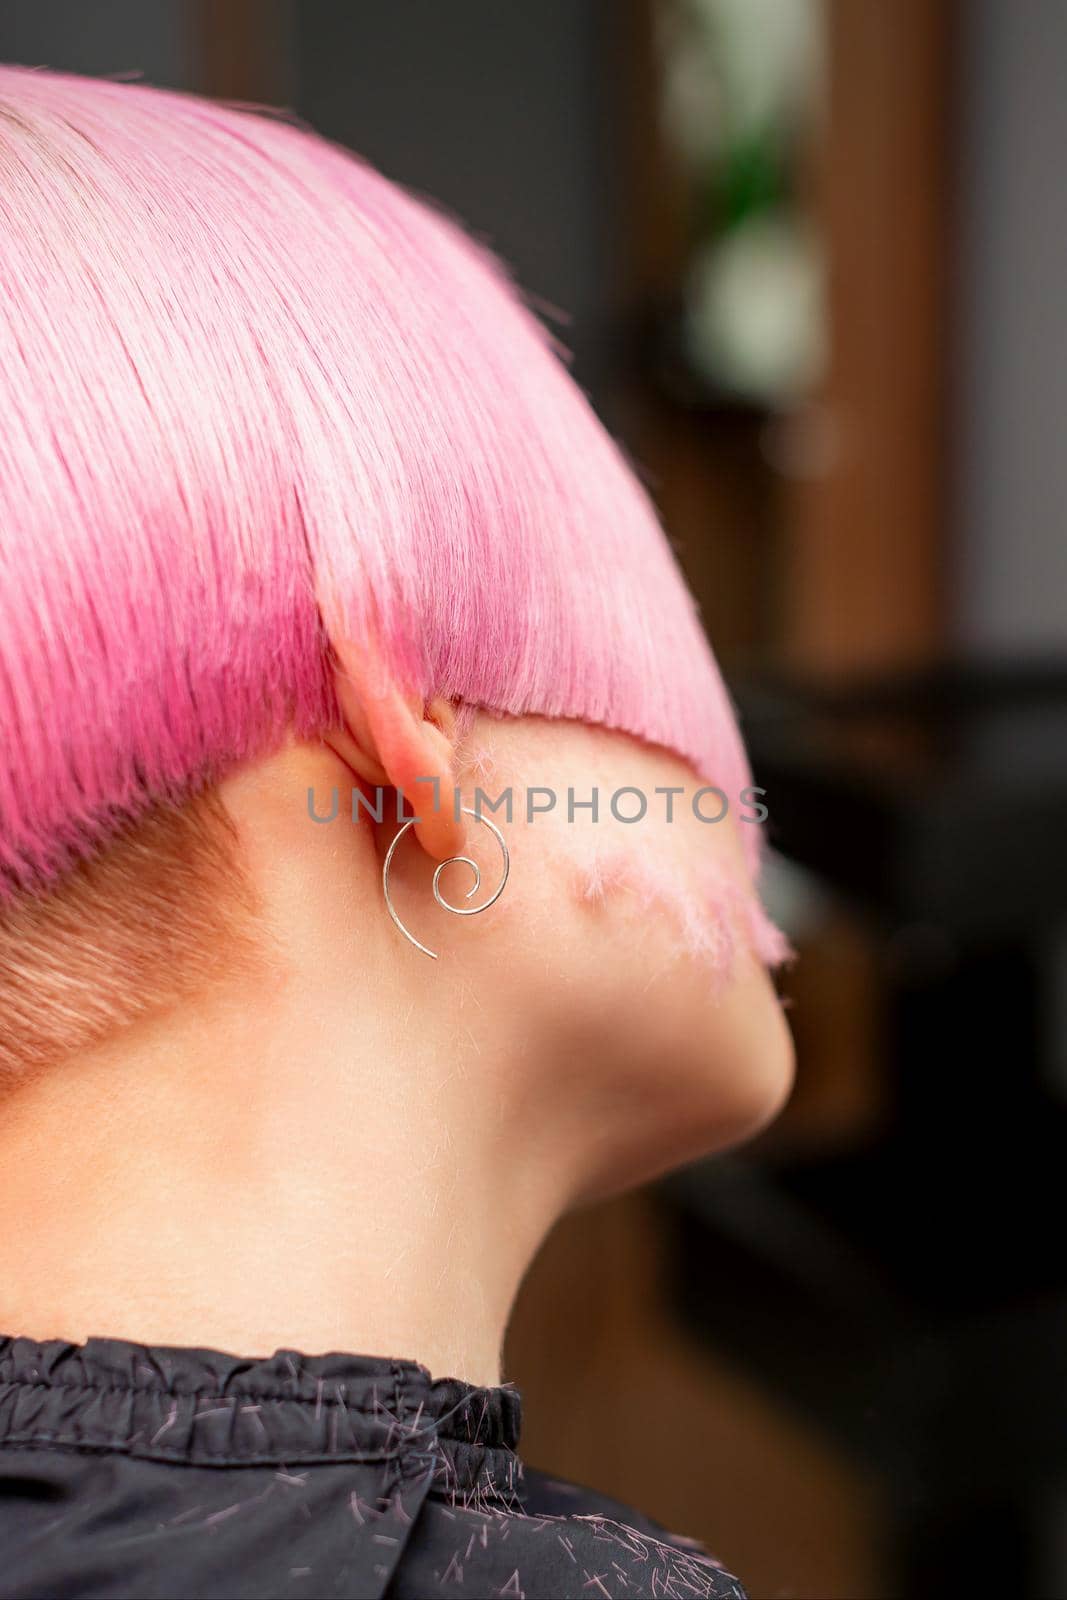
[(353, 1147)]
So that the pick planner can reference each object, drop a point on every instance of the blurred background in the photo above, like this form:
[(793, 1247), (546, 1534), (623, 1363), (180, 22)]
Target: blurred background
[(810, 260)]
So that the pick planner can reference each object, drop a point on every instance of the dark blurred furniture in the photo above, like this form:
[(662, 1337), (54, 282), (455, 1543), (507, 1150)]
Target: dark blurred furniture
[(911, 1295)]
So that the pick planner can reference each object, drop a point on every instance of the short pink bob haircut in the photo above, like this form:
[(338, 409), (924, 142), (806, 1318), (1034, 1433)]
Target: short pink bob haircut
[(253, 395)]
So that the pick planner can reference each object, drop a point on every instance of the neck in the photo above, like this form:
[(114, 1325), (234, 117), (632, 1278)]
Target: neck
[(337, 1157), (236, 1184)]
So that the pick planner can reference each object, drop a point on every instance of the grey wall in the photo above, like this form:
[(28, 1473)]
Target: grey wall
[(497, 108), (153, 38), (1012, 326)]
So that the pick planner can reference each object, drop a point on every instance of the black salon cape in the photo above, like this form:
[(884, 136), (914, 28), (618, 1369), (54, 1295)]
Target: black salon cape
[(138, 1471)]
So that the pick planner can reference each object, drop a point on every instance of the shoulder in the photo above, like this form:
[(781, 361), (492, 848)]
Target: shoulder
[(637, 1544), (556, 1540)]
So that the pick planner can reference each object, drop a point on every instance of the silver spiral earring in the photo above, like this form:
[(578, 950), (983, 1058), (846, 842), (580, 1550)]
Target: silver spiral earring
[(459, 911)]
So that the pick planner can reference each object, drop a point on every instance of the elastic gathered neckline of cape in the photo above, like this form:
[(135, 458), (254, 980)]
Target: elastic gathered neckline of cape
[(396, 1392)]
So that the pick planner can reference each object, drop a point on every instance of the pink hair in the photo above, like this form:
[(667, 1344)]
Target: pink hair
[(253, 396)]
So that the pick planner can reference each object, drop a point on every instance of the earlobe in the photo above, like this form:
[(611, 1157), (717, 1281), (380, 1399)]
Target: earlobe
[(392, 738)]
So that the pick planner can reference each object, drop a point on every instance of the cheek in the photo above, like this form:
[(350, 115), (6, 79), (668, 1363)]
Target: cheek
[(747, 1060), (669, 1052), (669, 1075), (710, 1058)]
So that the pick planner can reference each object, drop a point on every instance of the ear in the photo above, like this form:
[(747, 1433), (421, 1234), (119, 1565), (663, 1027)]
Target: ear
[(393, 738)]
